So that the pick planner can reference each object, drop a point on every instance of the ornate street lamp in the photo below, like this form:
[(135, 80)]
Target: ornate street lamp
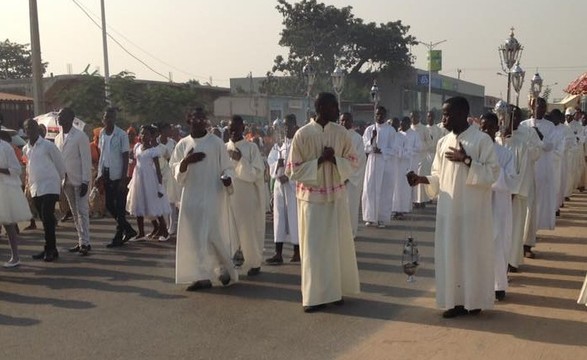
[(375, 96), (518, 75), (501, 110), (338, 82), (510, 53), (309, 76)]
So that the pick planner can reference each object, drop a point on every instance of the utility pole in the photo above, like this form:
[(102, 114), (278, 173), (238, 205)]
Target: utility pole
[(105, 46), (36, 59)]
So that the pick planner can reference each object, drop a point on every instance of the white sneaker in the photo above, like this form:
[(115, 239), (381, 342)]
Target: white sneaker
[(381, 225), (368, 223), (9, 265)]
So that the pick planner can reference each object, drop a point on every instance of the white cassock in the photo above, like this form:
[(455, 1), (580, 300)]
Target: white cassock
[(464, 252), (408, 160), (329, 264), (583, 295), (563, 156), (354, 186), (501, 201), (203, 244), (285, 207), (526, 152), (419, 193), (577, 166), (545, 178), (377, 197), (247, 203)]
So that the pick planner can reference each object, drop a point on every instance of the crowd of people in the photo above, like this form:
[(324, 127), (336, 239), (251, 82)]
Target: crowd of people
[(496, 183)]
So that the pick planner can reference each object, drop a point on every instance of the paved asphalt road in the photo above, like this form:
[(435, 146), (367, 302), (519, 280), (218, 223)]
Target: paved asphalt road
[(123, 304)]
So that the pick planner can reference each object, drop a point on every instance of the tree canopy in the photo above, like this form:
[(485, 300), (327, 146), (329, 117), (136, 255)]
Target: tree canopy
[(15, 61), (326, 36)]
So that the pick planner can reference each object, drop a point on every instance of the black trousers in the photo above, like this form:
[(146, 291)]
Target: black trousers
[(116, 206), (45, 205)]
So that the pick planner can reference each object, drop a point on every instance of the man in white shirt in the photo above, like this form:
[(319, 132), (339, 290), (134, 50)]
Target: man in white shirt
[(112, 173), (75, 149), (45, 170)]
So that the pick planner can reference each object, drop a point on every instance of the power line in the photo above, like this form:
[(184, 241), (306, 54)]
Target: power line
[(145, 51), (118, 43)]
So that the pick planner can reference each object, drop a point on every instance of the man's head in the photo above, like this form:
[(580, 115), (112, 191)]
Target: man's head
[(236, 128), (197, 120), (490, 124), (430, 117), (517, 117), (32, 130), (405, 123), (570, 114), (455, 111), (165, 130), (109, 118), (556, 117), (291, 126), (380, 114), (415, 117), (578, 114), (326, 107), (540, 108), (65, 119), (346, 120), (395, 122)]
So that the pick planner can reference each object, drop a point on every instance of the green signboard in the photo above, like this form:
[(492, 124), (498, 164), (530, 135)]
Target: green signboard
[(435, 60)]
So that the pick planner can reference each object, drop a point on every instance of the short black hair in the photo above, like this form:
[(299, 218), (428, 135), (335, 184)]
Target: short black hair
[(237, 119), (324, 98), (458, 102), (67, 112), (381, 108), (149, 128), (290, 118), (492, 117)]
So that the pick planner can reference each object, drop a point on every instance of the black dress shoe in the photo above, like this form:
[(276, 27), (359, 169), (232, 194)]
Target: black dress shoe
[(224, 278), (313, 308), (199, 285), (338, 302), (129, 235), (39, 256), (254, 271), (74, 249), (115, 243), (51, 255), (84, 249), (458, 310), (500, 295), (512, 269), (295, 258), (475, 311), (274, 260)]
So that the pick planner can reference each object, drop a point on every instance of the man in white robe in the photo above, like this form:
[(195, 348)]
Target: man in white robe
[(321, 159), (203, 170), (424, 162), (562, 155), (578, 165), (464, 168), (285, 207), (377, 198), (354, 184), (247, 203), (408, 160), (544, 175), (501, 201), (526, 152)]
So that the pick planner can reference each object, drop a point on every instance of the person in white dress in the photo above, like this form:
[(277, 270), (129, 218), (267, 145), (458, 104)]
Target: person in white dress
[(464, 168), (424, 163), (355, 182), (377, 197), (203, 170), (501, 201), (146, 196), (15, 207), (167, 145), (408, 160), (247, 203), (285, 207)]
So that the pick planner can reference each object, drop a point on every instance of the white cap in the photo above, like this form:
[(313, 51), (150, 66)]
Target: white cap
[(570, 111)]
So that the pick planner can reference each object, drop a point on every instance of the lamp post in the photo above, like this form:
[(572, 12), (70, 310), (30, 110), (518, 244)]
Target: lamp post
[(375, 97), (509, 54), (310, 76), (431, 47), (517, 78), (535, 89), (338, 82)]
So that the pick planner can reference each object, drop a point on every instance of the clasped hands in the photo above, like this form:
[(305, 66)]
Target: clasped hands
[(327, 156)]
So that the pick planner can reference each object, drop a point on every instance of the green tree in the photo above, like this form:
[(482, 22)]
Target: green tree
[(326, 36), (15, 61), (87, 98)]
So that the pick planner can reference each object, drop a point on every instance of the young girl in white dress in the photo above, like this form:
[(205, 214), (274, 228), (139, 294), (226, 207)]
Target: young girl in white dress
[(146, 196), (14, 206)]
